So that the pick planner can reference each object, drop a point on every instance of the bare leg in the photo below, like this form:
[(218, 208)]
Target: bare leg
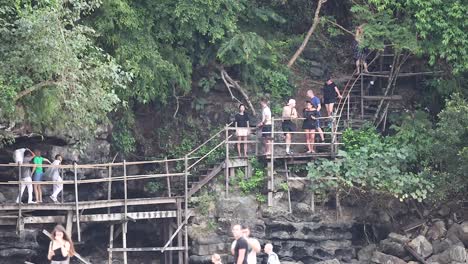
[(358, 67), (39, 191), (239, 146), (312, 140), (365, 66), (36, 192), (288, 142), (322, 137), (331, 109), (245, 146)]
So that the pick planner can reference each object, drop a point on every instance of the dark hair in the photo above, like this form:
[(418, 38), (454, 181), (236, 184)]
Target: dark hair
[(57, 156), (60, 228), (308, 102), (36, 151), (264, 100), (240, 105), (245, 226)]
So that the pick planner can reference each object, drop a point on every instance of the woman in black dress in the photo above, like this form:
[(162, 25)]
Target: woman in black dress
[(61, 247), (310, 125), (242, 129)]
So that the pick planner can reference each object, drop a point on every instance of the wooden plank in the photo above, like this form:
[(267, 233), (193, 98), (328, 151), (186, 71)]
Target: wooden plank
[(77, 208), (395, 97), (91, 218), (415, 254), (78, 256), (145, 249), (89, 204)]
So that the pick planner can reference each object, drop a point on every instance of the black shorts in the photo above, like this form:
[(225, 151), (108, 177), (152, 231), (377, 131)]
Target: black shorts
[(288, 126), (329, 100), (266, 131), (309, 124)]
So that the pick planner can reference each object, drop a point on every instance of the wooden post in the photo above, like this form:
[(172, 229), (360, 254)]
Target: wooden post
[(226, 161), (286, 169), (312, 202), (179, 235), (124, 241), (69, 225), (111, 242), (77, 211), (333, 138), (348, 97), (271, 187), (168, 178), (19, 223), (124, 224), (186, 257), (362, 96), (111, 228), (61, 193)]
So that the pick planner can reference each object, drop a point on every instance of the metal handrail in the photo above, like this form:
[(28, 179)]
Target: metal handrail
[(207, 141)]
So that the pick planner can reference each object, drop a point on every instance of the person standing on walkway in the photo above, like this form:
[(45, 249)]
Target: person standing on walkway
[(38, 160), (241, 247), (26, 179), (330, 92), (360, 52), (55, 176), (310, 125), (272, 257), (61, 247), (242, 129), (316, 104), (288, 126), (266, 126)]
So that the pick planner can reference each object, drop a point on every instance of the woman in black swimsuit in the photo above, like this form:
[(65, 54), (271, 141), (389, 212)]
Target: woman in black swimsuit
[(310, 125), (61, 247)]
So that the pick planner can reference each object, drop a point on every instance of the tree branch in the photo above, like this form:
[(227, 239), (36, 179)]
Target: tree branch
[(309, 33), (231, 83), (339, 26), (34, 88)]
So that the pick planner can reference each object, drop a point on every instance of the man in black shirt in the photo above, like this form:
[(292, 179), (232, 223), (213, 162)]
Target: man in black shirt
[(330, 92), (240, 250)]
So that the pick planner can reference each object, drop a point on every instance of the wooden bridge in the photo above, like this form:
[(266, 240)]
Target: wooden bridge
[(184, 178)]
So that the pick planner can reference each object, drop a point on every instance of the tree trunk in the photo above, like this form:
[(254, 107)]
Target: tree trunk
[(309, 33)]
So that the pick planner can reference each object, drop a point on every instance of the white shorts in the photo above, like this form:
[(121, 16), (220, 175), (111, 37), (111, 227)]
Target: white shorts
[(242, 131)]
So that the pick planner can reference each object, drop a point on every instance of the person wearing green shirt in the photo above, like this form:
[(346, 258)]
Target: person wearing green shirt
[(38, 160)]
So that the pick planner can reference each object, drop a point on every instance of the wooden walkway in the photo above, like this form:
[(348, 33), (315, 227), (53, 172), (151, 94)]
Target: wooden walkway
[(68, 206)]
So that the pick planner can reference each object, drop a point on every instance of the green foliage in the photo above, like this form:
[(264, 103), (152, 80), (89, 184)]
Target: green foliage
[(155, 187), (254, 184), (205, 202), (440, 27), (378, 166), (123, 138), (50, 67)]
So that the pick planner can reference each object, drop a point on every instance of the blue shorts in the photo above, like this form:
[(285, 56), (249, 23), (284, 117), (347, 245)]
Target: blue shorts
[(38, 176)]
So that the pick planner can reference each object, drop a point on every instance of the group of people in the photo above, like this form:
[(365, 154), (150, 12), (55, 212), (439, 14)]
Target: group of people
[(32, 174), (311, 124), (245, 248)]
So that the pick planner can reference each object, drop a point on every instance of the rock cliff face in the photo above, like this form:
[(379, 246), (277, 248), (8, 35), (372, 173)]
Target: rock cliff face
[(295, 240)]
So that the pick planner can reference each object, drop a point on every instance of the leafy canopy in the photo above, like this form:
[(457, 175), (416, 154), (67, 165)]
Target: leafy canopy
[(52, 75)]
